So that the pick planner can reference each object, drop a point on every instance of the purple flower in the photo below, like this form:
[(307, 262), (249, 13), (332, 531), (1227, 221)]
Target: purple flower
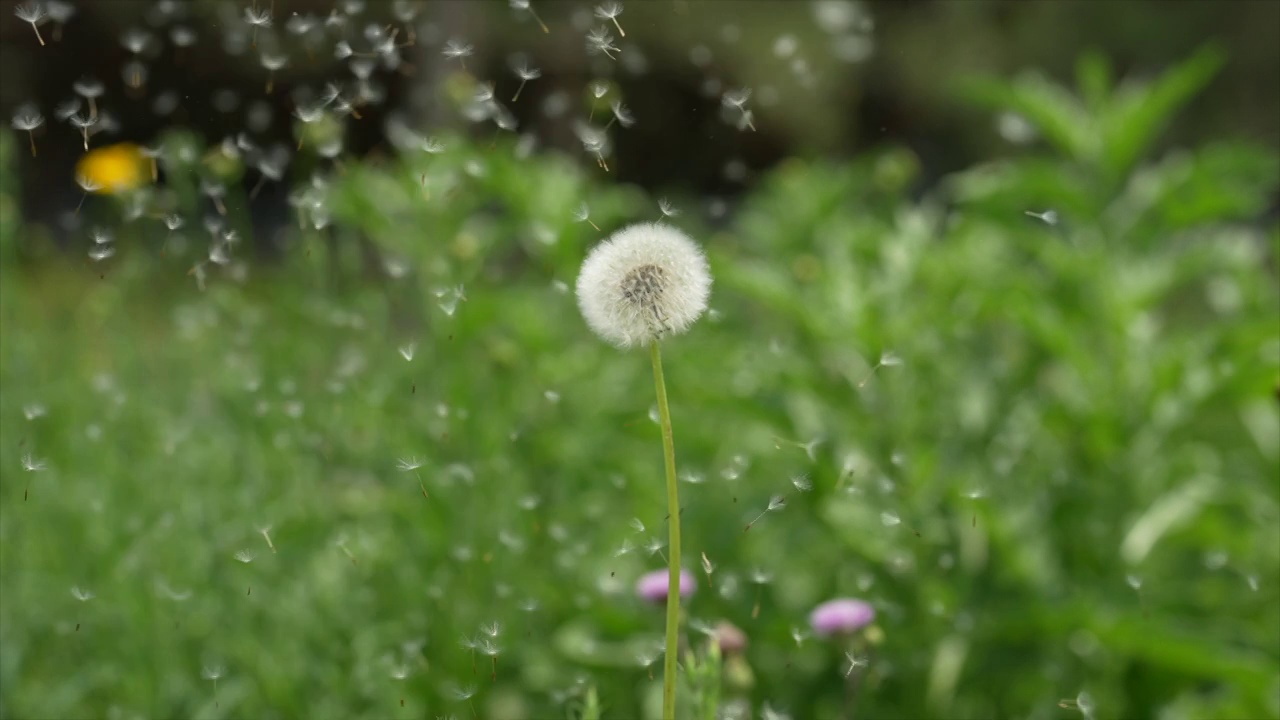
[(843, 615), (653, 586)]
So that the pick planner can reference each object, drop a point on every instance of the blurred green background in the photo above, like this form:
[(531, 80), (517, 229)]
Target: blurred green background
[(996, 310)]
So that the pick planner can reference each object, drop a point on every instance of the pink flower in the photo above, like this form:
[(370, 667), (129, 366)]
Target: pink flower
[(843, 615), (653, 586)]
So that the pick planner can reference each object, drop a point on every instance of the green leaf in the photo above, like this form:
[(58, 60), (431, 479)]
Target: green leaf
[(1138, 113), (1055, 112)]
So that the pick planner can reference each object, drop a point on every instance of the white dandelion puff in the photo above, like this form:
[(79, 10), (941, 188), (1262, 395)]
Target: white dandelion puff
[(32, 13), (610, 11), (645, 282)]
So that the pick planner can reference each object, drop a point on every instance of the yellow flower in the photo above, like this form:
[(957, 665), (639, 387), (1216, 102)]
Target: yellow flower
[(115, 168)]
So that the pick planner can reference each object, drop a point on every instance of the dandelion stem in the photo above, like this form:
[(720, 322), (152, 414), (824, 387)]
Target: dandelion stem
[(32, 138), (673, 524)]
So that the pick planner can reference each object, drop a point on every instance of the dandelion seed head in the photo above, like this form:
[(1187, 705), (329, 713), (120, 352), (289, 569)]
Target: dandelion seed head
[(645, 282)]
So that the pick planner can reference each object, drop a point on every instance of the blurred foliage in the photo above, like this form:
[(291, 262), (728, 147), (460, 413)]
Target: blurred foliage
[(1046, 451)]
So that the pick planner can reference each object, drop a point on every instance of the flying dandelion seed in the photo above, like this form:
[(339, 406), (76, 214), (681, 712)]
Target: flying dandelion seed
[(33, 13), (245, 556), (272, 62), (456, 49), (525, 5), (1048, 217), (777, 502), (621, 114), (27, 119), (83, 123), (887, 359), (213, 673), (257, 19), (667, 209), (90, 89), (583, 214), (610, 11), (525, 73), (600, 42), (737, 100), (265, 532), (88, 186)]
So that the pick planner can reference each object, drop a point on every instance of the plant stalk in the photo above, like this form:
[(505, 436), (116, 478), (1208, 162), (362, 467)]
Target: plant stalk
[(673, 551)]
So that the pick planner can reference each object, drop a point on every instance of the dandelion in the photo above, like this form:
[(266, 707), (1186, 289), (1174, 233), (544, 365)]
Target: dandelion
[(583, 214), (265, 532), (666, 208), (802, 483), (245, 556), (463, 693), (88, 186), (458, 49), (645, 282), (83, 124), (621, 114), (600, 42), (491, 649), (182, 36), (855, 662), (524, 5), (707, 567), (81, 595), (67, 108), (887, 359), (594, 141), (1048, 217), (777, 502), (525, 73), (256, 19), (34, 13), (90, 89), (27, 119), (59, 12), (99, 236), (610, 11), (98, 253), (272, 62), (737, 100), (213, 673), (135, 41), (841, 616)]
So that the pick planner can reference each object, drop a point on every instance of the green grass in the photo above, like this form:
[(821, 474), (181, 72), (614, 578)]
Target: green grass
[(1077, 406)]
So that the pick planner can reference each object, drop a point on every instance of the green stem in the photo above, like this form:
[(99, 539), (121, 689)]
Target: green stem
[(673, 551)]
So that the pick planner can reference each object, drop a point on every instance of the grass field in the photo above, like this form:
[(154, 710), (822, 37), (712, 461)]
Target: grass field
[(1046, 452)]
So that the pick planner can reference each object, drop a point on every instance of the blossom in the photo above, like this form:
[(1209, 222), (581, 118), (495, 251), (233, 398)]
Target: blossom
[(644, 282), (113, 169), (843, 615), (653, 586)]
